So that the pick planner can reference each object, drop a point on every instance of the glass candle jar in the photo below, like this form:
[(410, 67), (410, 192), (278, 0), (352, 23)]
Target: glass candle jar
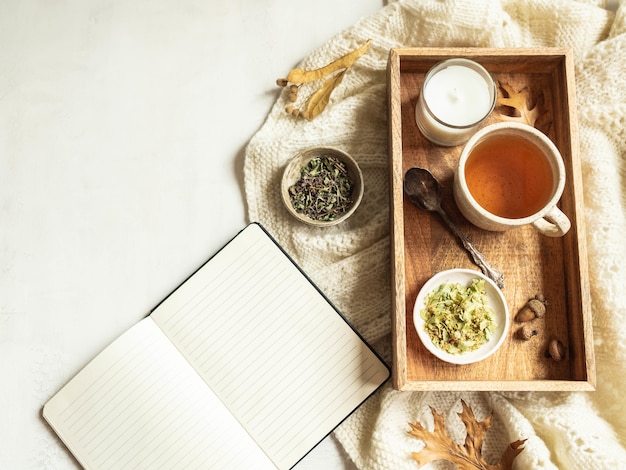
[(456, 97)]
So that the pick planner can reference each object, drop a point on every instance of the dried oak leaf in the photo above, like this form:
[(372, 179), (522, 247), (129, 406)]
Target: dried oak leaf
[(519, 101), (316, 103), (439, 446)]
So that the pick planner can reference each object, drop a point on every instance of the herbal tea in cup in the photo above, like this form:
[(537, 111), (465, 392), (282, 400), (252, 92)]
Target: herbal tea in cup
[(510, 175)]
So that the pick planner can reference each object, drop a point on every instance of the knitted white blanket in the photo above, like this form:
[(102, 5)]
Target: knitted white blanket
[(351, 262)]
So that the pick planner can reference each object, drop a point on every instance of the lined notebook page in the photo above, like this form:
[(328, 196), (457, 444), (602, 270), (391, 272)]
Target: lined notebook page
[(139, 405), (272, 348)]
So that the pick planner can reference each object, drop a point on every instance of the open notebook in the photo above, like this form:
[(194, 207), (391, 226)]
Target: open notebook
[(245, 365)]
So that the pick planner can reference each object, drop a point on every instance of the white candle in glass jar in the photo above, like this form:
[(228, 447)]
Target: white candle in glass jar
[(457, 95)]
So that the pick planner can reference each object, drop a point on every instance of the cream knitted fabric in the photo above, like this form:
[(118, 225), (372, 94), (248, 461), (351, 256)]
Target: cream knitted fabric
[(351, 262)]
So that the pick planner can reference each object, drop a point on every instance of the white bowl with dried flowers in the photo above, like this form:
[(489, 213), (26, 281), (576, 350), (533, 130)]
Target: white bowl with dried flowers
[(461, 316)]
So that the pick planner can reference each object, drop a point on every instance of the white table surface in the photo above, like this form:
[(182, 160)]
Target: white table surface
[(122, 132)]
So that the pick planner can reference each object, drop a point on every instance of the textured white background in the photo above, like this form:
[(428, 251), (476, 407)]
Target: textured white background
[(122, 131)]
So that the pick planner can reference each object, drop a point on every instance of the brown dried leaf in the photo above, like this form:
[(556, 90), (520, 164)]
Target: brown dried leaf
[(346, 61), (439, 446), (320, 98), (519, 101)]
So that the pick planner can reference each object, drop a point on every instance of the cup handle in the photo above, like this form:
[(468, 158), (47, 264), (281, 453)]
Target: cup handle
[(554, 224)]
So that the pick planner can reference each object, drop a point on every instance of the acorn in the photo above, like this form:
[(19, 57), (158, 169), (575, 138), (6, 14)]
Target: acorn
[(526, 332), (556, 350), (534, 308)]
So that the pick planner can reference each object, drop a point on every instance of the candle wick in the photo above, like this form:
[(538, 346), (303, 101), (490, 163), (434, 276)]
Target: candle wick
[(454, 95)]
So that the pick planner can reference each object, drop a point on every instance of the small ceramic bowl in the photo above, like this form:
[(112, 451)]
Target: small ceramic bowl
[(495, 300), (292, 174)]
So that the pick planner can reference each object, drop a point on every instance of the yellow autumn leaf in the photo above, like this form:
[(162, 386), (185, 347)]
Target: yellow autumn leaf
[(346, 61), (317, 102), (321, 97)]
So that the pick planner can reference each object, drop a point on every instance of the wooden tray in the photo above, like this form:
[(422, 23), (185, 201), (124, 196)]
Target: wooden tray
[(422, 245)]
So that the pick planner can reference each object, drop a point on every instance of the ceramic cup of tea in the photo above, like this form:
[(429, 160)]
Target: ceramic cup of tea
[(510, 175)]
